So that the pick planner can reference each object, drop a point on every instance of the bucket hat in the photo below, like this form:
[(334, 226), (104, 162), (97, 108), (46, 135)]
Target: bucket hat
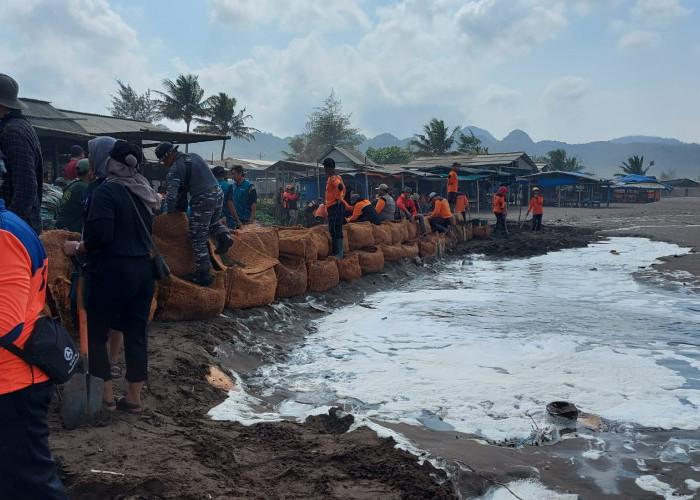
[(9, 90)]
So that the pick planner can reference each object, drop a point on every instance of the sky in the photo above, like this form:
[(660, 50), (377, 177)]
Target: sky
[(568, 70)]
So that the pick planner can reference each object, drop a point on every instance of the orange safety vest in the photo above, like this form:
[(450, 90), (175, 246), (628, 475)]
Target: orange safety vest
[(499, 204), (442, 208), (357, 209), (335, 190), (462, 203), (536, 203), (452, 182)]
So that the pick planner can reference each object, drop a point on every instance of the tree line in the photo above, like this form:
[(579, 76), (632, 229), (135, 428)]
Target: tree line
[(326, 126)]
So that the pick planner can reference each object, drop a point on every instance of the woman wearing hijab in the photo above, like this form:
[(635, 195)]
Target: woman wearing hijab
[(120, 270)]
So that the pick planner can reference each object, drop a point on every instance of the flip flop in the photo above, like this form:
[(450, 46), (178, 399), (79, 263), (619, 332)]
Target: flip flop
[(123, 405)]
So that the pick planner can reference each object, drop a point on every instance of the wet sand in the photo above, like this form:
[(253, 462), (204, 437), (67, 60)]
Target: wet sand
[(174, 450)]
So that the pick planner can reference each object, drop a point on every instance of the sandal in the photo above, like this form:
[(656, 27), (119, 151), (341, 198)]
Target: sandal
[(109, 405), (123, 405), (115, 371)]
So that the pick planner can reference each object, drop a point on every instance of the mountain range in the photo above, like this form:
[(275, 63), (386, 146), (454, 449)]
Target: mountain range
[(672, 158)]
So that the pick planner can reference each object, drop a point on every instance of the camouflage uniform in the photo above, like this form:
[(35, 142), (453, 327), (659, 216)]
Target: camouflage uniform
[(205, 215), (50, 202)]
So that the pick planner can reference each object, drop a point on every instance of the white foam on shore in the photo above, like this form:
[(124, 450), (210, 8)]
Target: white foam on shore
[(477, 348), (527, 489), (651, 483)]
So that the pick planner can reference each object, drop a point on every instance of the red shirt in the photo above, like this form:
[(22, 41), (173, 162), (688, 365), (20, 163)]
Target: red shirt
[(406, 204), (71, 170)]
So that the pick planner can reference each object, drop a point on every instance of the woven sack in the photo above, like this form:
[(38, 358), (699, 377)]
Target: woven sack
[(410, 228), (392, 253), (60, 266), (249, 289), (170, 236), (481, 232), (440, 240), (382, 234), (451, 239), (297, 243), (427, 248), (323, 274), (180, 300), (398, 233), (371, 260), (291, 281), (264, 239), (410, 250), (322, 241), (468, 235), (349, 268), (59, 291), (360, 235)]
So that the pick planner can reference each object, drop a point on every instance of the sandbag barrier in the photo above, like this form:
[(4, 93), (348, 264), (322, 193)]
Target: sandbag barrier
[(265, 263)]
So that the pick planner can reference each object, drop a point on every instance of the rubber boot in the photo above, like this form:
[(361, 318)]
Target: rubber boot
[(203, 278), (337, 247), (225, 242)]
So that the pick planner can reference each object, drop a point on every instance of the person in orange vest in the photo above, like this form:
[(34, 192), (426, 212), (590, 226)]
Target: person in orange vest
[(453, 186), (536, 203), (362, 211), (335, 206), (441, 216), (500, 210), (462, 205)]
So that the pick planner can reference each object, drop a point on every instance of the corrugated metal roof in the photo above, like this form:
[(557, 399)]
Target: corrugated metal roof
[(352, 154), (44, 116)]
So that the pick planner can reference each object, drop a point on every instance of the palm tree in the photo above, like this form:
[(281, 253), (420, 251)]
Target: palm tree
[(182, 99), (558, 160), (634, 165), (221, 118), (437, 140)]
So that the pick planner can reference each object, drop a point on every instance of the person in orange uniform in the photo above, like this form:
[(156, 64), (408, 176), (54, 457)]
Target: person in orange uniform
[(536, 204), (500, 210), (453, 186), (362, 211), (335, 206), (28, 470), (441, 216), (462, 205)]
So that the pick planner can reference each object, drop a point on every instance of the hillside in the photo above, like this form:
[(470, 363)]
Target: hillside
[(602, 157)]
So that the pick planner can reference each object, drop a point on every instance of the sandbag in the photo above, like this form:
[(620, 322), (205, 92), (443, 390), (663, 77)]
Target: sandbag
[(291, 281), (248, 289), (323, 275), (468, 235), (458, 218), (180, 300), (410, 229), (297, 243), (171, 239), (382, 234), (59, 290), (398, 233), (459, 233), (481, 232), (451, 239), (440, 240), (392, 253), (266, 240), (427, 248), (322, 241), (371, 260), (360, 235), (410, 250), (349, 268), (60, 266)]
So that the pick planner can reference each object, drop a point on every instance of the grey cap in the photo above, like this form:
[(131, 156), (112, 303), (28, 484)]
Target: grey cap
[(432, 195)]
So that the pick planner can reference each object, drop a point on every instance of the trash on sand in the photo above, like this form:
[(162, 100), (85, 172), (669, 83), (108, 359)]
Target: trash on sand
[(318, 307), (562, 409), (107, 472), (220, 380), (614, 252), (590, 421)]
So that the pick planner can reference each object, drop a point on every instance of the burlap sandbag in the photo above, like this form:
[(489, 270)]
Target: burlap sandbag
[(451, 239), (410, 250), (458, 218), (459, 234), (60, 266), (410, 228), (322, 241), (170, 236), (468, 234), (481, 232), (59, 289), (297, 242), (392, 253), (398, 233), (180, 300), (371, 260), (440, 242), (427, 248), (349, 268), (251, 289), (382, 233), (264, 239), (291, 281), (323, 274), (360, 235)]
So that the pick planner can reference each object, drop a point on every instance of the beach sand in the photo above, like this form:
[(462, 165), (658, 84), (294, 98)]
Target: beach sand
[(175, 451)]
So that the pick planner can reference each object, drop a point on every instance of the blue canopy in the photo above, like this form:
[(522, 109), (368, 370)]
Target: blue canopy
[(636, 178)]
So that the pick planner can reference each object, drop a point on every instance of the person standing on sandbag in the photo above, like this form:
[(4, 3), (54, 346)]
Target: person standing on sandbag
[(190, 175), (335, 206)]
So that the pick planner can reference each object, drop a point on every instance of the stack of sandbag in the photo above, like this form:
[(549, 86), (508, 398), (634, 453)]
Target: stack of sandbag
[(59, 272), (349, 268), (399, 234), (427, 247), (358, 235), (252, 277), (371, 259), (171, 239), (451, 238), (382, 234), (180, 300), (481, 232), (297, 245), (410, 228), (410, 249), (292, 279), (392, 253), (321, 238), (322, 274), (440, 240)]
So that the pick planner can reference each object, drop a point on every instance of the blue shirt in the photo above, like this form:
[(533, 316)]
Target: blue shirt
[(225, 186), (244, 195)]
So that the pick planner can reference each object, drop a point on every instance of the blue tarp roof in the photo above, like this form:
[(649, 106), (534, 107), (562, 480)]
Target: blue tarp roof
[(636, 178)]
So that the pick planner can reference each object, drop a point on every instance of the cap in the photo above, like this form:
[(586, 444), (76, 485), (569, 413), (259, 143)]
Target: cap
[(415, 197), (502, 190), (456, 164), (384, 187), (83, 166), (535, 188), (407, 190), (354, 198), (76, 150), (432, 195), (329, 163), (288, 186), (164, 149), (218, 171)]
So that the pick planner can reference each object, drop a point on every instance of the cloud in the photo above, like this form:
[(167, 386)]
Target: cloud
[(294, 16), (638, 41), (658, 12), (565, 94), (498, 95)]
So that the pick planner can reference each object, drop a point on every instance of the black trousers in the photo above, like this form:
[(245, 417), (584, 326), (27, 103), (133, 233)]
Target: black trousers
[(536, 222), (439, 224), (120, 288), (336, 217), (500, 223), (28, 470)]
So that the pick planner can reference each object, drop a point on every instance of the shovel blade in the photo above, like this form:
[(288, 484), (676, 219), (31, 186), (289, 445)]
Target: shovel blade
[(81, 400)]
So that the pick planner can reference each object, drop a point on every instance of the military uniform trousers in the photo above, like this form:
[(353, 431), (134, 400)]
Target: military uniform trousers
[(205, 215)]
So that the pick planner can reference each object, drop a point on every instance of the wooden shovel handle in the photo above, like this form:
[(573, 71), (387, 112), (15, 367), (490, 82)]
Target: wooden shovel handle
[(82, 320)]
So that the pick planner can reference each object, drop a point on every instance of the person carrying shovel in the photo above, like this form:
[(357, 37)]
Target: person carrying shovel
[(536, 203)]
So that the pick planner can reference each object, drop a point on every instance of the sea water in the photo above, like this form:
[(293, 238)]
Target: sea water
[(482, 346)]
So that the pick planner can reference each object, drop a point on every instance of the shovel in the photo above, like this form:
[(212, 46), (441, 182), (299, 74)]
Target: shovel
[(82, 394)]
